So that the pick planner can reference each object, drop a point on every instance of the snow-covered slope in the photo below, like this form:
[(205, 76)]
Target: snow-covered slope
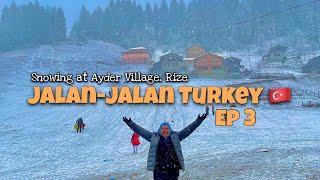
[(39, 142)]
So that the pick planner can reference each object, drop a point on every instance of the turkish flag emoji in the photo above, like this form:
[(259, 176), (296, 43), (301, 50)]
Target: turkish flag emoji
[(279, 95)]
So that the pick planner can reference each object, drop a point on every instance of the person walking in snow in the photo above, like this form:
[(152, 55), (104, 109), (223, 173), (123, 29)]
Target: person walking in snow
[(135, 142), (80, 125), (165, 157)]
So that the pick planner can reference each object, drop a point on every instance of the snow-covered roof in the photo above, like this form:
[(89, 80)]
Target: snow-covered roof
[(189, 59), (138, 48)]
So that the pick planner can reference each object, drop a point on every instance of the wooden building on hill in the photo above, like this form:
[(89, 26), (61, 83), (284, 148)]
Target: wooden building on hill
[(217, 61), (278, 54), (189, 64), (138, 55), (204, 62), (233, 67), (218, 68), (313, 66), (208, 61), (195, 51), (210, 65), (169, 63), (204, 65)]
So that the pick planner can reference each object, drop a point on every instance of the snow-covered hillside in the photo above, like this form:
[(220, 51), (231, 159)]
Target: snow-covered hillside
[(39, 142)]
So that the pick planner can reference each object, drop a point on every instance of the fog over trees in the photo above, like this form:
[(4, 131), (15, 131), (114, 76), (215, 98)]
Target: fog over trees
[(215, 24), (29, 25)]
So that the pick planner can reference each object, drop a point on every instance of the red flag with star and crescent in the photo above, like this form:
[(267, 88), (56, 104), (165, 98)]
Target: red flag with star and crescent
[(279, 95)]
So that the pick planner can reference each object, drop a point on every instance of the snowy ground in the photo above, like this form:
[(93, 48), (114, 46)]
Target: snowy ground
[(39, 141)]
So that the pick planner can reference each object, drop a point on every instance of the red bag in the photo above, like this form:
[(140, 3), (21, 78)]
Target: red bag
[(135, 139)]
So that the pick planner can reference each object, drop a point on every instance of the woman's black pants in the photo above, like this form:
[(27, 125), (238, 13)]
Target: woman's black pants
[(166, 175)]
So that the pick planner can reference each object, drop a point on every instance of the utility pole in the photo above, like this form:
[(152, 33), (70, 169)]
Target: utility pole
[(249, 58)]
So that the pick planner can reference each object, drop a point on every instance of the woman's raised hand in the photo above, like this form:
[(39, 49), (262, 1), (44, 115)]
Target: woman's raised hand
[(126, 120), (204, 115)]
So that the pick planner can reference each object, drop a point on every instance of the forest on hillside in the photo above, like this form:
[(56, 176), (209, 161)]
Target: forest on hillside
[(28, 25), (215, 24)]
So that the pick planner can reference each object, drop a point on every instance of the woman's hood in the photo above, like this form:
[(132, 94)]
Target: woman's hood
[(165, 124)]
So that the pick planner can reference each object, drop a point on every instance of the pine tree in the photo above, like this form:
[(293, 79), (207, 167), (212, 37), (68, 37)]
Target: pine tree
[(163, 22), (80, 30), (149, 20), (106, 25), (5, 14), (60, 25), (96, 24)]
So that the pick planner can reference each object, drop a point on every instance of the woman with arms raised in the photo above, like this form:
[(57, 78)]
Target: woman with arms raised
[(165, 157)]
